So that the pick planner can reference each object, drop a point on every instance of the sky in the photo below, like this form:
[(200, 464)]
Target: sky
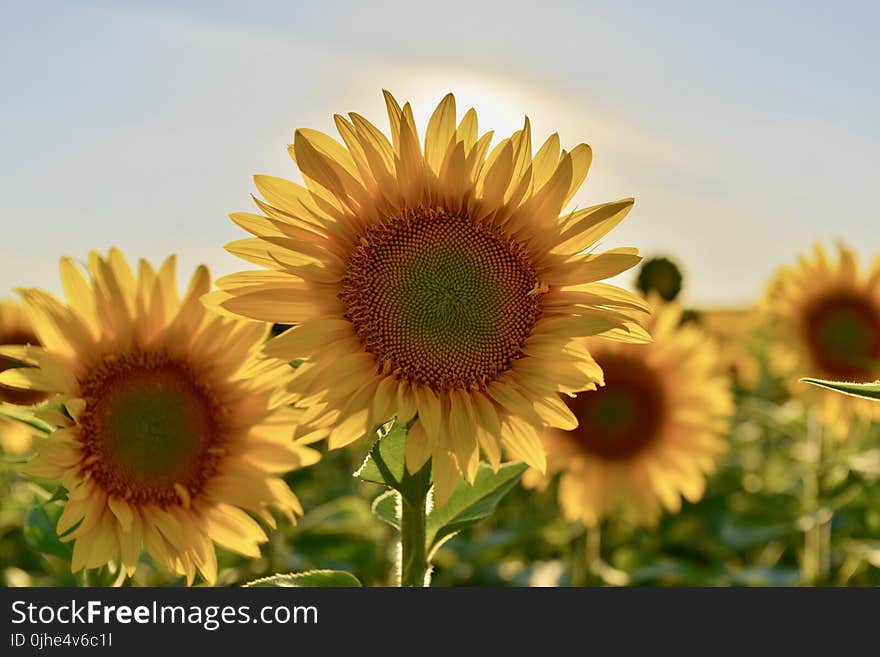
[(745, 131)]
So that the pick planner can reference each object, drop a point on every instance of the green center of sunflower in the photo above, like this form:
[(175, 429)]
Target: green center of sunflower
[(149, 424), (622, 418), (843, 335), (441, 300), (14, 395)]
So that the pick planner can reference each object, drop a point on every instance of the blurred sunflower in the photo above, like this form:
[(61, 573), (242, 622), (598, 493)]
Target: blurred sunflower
[(733, 329), (170, 432), (441, 285), (650, 435), (15, 438), (16, 329), (661, 276), (825, 316)]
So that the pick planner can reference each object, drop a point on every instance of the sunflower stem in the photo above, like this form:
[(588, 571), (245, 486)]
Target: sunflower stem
[(414, 567), (815, 566), (593, 554), (586, 556)]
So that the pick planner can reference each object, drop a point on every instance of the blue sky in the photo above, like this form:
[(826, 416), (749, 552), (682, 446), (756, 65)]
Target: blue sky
[(745, 130)]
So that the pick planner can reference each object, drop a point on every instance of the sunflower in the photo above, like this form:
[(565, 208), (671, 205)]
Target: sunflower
[(15, 329), (661, 276), (170, 433), (15, 438), (825, 316), (650, 435), (440, 286), (734, 330)]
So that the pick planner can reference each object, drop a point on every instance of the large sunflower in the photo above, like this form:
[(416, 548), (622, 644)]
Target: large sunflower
[(436, 284), (825, 314), (169, 434), (650, 435), (15, 438)]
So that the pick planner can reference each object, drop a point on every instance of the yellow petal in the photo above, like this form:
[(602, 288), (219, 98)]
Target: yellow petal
[(524, 442), (446, 475), (356, 418), (27, 378), (441, 129), (418, 449), (585, 227), (590, 268)]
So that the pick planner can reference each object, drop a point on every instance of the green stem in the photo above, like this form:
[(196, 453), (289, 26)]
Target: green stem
[(414, 566), (84, 579), (593, 554), (817, 537), (586, 553), (825, 550)]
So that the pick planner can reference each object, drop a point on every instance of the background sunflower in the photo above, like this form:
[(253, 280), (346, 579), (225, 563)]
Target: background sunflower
[(651, 434), (166, 428), (15, 437), (825, 317)]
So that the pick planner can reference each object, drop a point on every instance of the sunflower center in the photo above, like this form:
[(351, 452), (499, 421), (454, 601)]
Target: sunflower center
[(843, 334), (149, 424), (440, 300), (14, 395), (622, 418)]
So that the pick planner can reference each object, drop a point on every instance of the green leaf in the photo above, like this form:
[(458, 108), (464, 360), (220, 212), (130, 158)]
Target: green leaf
[(25, 416), (671, 571), (311, 578), (386, 462), (866, 390), (59, 494), (386, 465), (776, 576), (386, 507), (739, 535), (471, 503), (39, 530)]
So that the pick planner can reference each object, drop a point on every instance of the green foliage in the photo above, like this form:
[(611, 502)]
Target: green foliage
[(866, 390), (312, 578), (25, 416), (39, 530), (470, 504), (406, 497), (386, 462), (387, 507)]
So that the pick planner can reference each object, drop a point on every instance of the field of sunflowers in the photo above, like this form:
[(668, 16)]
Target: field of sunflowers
[(421, 376)]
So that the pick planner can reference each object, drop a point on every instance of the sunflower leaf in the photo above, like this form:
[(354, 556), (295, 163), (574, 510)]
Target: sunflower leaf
[(39, 530), (386, 465), (471, 503), (311, 578), (386, 507), (25, 416), (865, 390)]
